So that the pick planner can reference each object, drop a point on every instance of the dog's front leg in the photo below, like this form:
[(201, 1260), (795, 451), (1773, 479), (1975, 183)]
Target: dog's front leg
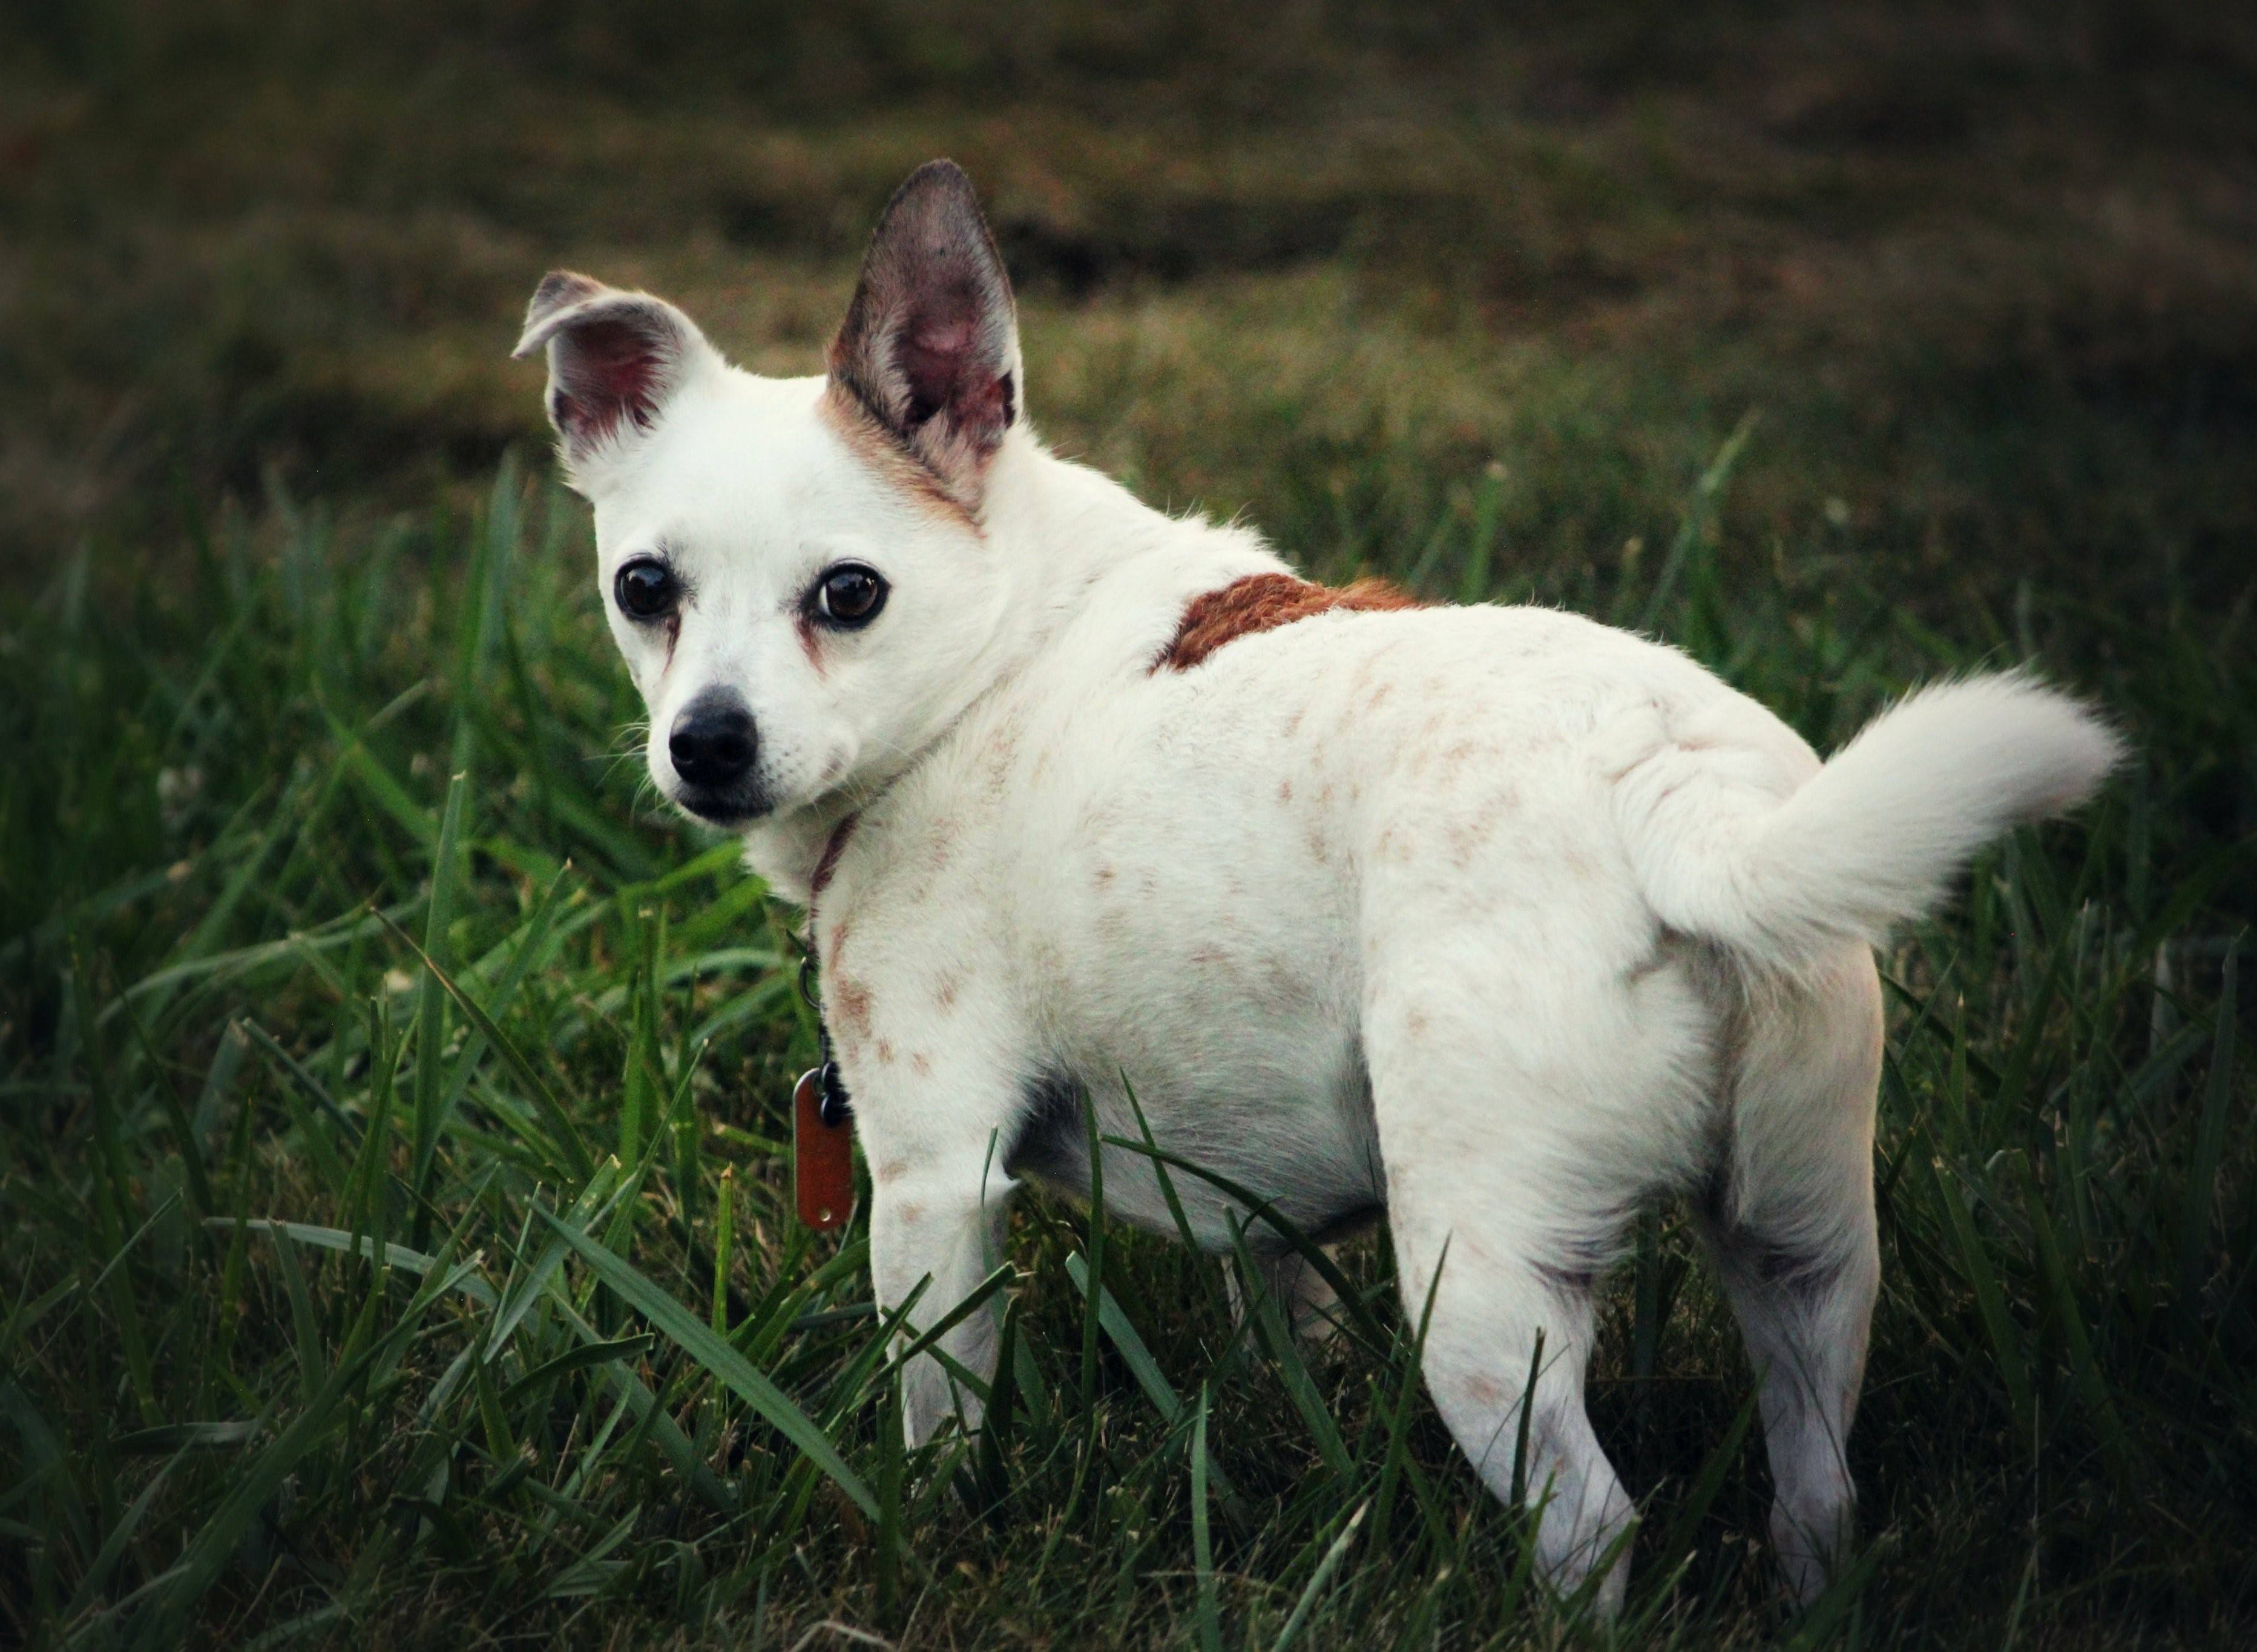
[(935, 1217)]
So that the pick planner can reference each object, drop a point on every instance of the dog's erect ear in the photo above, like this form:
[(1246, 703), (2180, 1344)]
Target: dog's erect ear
[(614, 358), (930, 347)]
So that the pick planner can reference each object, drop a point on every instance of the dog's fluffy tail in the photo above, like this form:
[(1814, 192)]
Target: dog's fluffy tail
[(1871, 840)]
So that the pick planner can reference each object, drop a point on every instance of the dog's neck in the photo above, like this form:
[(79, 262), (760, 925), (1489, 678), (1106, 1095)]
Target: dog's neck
[(1060, 528)]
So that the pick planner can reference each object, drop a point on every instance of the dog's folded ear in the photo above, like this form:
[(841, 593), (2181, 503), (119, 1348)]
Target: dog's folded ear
[(614, 359), (930, 347)]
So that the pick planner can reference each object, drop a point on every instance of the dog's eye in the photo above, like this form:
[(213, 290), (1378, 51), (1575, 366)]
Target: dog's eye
[(647, 589), (850, 595)]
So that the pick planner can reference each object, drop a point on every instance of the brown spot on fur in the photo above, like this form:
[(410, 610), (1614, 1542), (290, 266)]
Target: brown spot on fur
[(853, 1005), (939, 846), (1105, 875), (1264, 601), (921, 1065), (1415, 1024), (1003, 750), (1283, 981), (1484, 1392), (852, 422), (943, 993), (1285, 791), (885, 1053)]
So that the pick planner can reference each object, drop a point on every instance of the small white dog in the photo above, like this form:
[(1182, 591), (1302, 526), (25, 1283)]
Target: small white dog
[(1493, 920)]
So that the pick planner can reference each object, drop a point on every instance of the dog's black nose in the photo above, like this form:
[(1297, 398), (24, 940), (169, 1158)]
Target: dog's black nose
[(712, 743)]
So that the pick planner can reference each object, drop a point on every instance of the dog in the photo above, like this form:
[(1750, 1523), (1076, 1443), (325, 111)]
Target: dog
[(1495, 922)]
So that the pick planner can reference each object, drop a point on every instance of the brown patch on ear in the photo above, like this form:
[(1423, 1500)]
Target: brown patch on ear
[(929, 346), (882, 451), (1264, 601)]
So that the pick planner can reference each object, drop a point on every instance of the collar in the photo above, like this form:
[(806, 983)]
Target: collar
[(827, 863)]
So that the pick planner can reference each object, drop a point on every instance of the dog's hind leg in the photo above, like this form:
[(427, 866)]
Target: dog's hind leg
[(1504, 1332), (1516, 1145), (1789, 1222)]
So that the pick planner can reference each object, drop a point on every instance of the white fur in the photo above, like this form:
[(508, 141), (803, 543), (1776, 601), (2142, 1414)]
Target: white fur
[(1451, 913), (1869, 840)]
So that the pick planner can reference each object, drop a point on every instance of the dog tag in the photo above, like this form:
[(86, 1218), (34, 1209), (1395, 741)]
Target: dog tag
[(822, 1156)]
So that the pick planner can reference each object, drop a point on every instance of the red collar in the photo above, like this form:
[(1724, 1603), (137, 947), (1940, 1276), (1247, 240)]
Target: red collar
[(828, 862)]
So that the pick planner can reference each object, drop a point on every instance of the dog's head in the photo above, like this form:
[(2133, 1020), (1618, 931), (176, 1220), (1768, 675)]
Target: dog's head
[(795, 568)]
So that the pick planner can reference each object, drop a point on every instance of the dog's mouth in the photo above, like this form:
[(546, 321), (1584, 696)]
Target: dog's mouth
[(729, 807)]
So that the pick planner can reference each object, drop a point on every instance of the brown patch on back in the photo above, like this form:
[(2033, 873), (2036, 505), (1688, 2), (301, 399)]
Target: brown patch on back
[(852, 422), (1264, 601)]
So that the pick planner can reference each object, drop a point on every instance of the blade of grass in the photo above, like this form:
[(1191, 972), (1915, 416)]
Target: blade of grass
[(1326, 1567), (1124, 1337), (563, 1132), (1362, 1321), (1209, 1607), (1262, 1306), (2210, 1141), (1990, 1301), (696, 1340), (430, 1008)]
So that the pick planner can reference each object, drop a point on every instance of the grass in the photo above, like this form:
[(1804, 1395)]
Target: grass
[(398, 1240), (354, 947)]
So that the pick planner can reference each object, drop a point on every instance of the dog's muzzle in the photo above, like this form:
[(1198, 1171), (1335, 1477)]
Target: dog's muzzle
[(712, 745)]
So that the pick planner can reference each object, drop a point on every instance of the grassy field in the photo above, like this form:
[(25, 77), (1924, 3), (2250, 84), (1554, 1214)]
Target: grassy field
[(395, 1244)]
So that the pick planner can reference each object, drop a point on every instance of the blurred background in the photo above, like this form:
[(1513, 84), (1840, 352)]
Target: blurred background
[(1986, 272)]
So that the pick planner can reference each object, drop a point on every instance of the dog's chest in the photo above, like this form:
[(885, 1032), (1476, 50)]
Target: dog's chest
[(1147, 917)]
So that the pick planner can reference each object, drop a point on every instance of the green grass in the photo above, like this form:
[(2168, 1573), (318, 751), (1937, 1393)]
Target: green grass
[(331, 895), (530, 1043)]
